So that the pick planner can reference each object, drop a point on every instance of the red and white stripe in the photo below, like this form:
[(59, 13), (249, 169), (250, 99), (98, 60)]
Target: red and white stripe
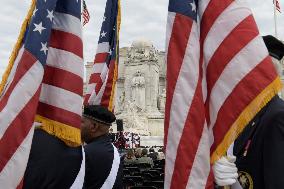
[(186, 132), (238, 66), (18, 105), (62, 92), (100, 77)]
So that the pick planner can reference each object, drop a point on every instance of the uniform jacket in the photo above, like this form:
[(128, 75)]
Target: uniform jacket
[(99, 156), (52, 164), (260, 149)]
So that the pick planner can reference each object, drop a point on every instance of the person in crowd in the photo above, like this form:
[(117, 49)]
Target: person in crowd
[(112, 135), (138, 152), (130, 157), (153, 154), (259, 150), (103, 166), (161, 154), (144, 158)]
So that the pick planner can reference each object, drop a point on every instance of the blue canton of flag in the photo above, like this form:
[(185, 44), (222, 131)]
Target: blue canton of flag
[(39, 30), (108, 30), (187, 8)]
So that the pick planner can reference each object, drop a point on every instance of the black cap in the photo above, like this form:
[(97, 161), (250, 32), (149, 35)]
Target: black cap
[(99, 113), (275, 47)]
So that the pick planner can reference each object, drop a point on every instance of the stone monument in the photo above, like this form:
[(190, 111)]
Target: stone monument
[(140, 94), (139, 89)]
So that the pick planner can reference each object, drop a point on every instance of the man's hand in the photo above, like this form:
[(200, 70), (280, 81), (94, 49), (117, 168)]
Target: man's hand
[(225, 171)]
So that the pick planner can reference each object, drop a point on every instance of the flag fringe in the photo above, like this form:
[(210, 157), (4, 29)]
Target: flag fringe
[(17, 47), (110, 107), (71, 136), (245, 117)]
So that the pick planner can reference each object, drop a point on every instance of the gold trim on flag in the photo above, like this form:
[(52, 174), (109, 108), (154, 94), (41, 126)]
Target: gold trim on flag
[(71, 136), (246, 116)]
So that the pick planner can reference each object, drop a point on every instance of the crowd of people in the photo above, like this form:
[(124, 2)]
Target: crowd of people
[(141, 155), (143, 167)]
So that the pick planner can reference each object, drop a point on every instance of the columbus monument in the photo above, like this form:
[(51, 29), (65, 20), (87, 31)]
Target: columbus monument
[(140, 94)]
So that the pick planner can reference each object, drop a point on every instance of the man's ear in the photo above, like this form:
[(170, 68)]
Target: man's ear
[(94, 128)]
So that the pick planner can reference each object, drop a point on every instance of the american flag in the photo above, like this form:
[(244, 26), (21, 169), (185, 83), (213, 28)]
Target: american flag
[(20, 97), (102, 81), (240, 75), (277, 5), (85, 13), (61, 99), (29, 88), (186, 133), (238, 80)]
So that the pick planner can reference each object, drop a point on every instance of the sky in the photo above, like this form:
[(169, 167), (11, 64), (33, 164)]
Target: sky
[(141, 19)]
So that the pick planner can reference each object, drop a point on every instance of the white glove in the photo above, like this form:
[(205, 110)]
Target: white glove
[(225, 171)]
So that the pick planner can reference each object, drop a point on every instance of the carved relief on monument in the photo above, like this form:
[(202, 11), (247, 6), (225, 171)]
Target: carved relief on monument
[(134, 122), (141, 51)]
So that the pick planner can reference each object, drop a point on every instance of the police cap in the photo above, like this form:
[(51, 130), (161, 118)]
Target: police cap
[(99, 113), (275, 47)]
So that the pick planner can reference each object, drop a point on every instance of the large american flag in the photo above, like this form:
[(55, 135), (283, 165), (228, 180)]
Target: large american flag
[(240, 74), (238, 80), (186, 133), (30, 89), (61, 99), (102, 81)]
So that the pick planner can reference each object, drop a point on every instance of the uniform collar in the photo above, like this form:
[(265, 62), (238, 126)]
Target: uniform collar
[(101, 138)]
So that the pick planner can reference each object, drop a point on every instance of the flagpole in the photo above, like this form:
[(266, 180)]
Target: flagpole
[(275, 18)]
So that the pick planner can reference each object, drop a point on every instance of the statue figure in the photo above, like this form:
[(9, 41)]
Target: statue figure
[(138, 90), (121, 101), (162, 101), (132, 121)]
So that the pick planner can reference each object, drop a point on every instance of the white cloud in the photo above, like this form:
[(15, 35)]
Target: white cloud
[(146, 18)]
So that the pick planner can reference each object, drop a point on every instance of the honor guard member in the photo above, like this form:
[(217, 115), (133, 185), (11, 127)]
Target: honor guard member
[(103, 167), (259, 149)]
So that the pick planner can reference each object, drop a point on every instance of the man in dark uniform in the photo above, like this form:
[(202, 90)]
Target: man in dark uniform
[(103, 167), (260, 147), (52, 164)]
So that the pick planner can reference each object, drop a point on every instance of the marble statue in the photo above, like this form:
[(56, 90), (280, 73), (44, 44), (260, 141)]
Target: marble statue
[(162, 101), (138, 90), (133, 122), (121, 103)]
